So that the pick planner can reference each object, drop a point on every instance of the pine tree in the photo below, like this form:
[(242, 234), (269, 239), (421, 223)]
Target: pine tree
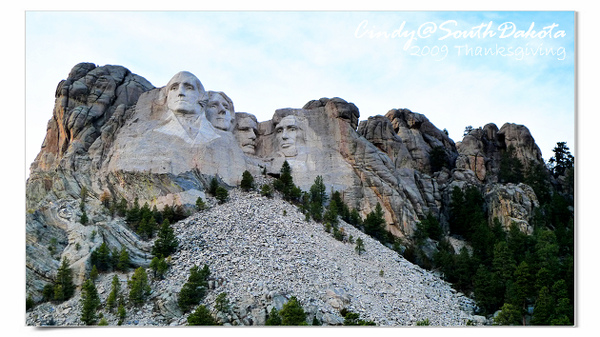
[(521, 288), (222, 303), (285, 183), (29, 303), (193, 291), (200, 204), (94, 273), (133, 215), (292, 313), (168, 214), (84, 218), (562, 159), (511, 167), (266, 191), (360, 246), (374, 224), (124, 261), (222, 195), (201, 316), (101, 258), (318, 197), (122, 207), (105, 199), (544, 308), (144, 229), (166, 242), (64, 288), (139, 287), (111, 301), (331, 215), (509, 315), (247, 182), (274, 319), (503, 262), (487, 289), (212, 188), (159, 267), (90, 302), (438, 158), (121, 312)]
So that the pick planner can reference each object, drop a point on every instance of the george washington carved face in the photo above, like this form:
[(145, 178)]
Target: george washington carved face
[(184, 94)]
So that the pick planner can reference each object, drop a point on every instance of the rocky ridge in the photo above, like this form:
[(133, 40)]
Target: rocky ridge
[(261, 251)]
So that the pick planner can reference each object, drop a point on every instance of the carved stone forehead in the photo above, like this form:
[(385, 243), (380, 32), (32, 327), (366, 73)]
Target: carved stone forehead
[(244, 122), (187, 77), (288, 120)]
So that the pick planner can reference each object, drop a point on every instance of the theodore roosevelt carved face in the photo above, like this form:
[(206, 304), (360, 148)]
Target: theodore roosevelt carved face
[(185, 94), (246, 131), (220, 111)]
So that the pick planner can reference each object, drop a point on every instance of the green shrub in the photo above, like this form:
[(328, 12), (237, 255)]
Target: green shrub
[(193, 291), (292, 313), (274, 318), (247, 182), (221, 194), (201, 316), (139, 287), (166, 242), (266, 191), (90, 302)]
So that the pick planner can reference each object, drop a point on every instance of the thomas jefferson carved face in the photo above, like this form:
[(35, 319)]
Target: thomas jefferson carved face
[(246, 132), (220, 111), (287, 132), (184, 93)]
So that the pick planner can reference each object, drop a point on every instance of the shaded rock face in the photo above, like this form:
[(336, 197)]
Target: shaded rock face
[(480, 150), (512, 203), (115, 133), (85, 101)]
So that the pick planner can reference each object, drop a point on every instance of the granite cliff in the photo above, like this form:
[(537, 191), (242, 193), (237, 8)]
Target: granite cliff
[(114, 135)]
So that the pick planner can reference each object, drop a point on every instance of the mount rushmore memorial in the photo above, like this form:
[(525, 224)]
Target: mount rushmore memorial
[(115, 139)]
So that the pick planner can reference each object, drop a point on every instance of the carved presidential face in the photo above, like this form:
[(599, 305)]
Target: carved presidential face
[(246, 132), (184, 92), (220, 111), (287, 132)]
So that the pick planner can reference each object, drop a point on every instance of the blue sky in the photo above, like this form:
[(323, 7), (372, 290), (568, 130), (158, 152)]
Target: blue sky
[(270, 60)]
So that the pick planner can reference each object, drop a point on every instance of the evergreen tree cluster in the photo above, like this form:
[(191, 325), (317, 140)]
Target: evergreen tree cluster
[(219, 192), (285, 184), (438, 159), (166, 243), (194, 290), (63, 287), (510, 270), (139, 287), (105, 260), (145, 221), (353, 319), (292, 314), (90, 301)]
